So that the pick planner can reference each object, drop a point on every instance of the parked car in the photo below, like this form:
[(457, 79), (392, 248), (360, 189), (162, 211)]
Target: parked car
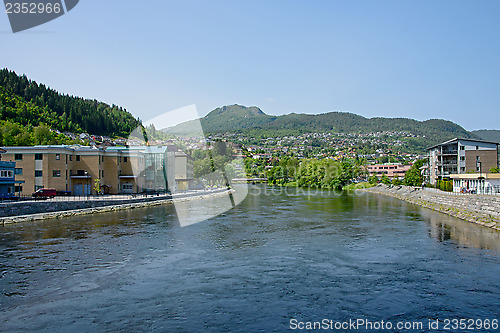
[(45, 193)]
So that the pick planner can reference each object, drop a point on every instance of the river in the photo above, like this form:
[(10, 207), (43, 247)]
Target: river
[(274, 258)]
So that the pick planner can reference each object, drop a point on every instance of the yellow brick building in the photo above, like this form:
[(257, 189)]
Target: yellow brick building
[(76, 169)]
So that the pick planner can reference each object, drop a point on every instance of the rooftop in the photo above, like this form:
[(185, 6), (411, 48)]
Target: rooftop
[(461, 139)]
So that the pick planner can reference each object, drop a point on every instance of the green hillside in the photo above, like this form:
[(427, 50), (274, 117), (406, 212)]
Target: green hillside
[(240, 119), (488, 135), (27, 104)]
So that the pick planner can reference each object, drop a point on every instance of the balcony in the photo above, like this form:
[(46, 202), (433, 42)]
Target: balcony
[(80, 174), (448, 153)]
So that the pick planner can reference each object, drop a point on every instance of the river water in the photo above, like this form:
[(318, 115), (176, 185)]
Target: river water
[(274, 258)]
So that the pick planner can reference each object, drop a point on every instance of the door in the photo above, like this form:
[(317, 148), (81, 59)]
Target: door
[(81, 189), (127, 188), (78, 189)]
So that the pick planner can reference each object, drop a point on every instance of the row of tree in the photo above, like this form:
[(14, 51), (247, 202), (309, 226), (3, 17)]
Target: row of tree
[(26, 102), (325, 173), (15, 134)]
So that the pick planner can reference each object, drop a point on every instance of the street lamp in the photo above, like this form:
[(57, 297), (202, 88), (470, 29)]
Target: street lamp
[(88, 185)]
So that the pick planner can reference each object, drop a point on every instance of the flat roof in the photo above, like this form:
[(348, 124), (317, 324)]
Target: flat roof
[(475, 176), (461, 139)]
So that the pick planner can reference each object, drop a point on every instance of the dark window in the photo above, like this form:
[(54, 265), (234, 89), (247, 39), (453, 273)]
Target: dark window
[(125, 160), (38, 157), (18, 157), (462, 147), (477, 147), (56, 173), (18, 188), (18, 171), (77, 158), (38, 173), (71, 157), (58, 156)]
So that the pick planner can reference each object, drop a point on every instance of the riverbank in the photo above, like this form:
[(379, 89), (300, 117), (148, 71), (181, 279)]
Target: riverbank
[(479, 209), (74, 208)]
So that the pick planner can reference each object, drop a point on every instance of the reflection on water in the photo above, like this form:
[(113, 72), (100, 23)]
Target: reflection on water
[(445, 228), (276, 256)]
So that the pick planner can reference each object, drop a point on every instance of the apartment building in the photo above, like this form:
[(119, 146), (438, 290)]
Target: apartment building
[(460, 156), (77, 169), (8, 184), (391, 170)]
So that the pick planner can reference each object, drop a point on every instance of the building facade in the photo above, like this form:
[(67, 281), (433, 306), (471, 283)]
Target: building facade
[(460, 156), (391, 170), (476, 183), (82, 170)]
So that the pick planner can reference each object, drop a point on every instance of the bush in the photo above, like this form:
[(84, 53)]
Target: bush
[(373, 180), (385, 180), (445, 185), (397, 182)]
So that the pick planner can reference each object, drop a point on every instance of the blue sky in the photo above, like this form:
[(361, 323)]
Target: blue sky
[(415, 59)]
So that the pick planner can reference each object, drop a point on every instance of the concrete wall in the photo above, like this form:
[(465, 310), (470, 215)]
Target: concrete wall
[(479, 209), (17, 212)]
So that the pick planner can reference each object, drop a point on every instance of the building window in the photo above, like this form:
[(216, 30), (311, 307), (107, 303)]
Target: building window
[(477, 147), (462, 158), (462, 147), (6, 174), (38, 157), (77, 158), (18, 188), (71, 157), (125, 160), (38, 173), (58, 157), (102, 173), (462, 169), (18, 171), (18, 157), (56, 173)]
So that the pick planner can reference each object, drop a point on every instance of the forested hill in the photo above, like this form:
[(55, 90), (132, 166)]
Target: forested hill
[(29, 104), (237, 118), (488, 135)]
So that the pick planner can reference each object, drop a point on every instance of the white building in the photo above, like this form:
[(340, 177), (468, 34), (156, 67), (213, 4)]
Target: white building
[(476, 183)]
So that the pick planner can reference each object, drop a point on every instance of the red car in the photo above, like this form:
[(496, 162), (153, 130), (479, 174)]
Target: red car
[(45, 193)]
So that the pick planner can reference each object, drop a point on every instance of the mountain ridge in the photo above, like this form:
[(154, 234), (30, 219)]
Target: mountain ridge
[(240, 119)]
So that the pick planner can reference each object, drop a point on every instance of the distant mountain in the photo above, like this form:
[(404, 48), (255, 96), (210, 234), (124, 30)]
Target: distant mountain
[(488, 135), (237, 118)]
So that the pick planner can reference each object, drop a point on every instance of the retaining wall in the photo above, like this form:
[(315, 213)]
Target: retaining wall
[(38, 210), (479, 209)]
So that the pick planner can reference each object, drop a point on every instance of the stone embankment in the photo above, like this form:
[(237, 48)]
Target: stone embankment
[(39, 210), (479, 209)]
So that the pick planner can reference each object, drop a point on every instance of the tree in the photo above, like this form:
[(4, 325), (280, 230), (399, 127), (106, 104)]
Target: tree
[(396, 181), (97, 185), (413, 177), (373, 180), (385, 180)]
